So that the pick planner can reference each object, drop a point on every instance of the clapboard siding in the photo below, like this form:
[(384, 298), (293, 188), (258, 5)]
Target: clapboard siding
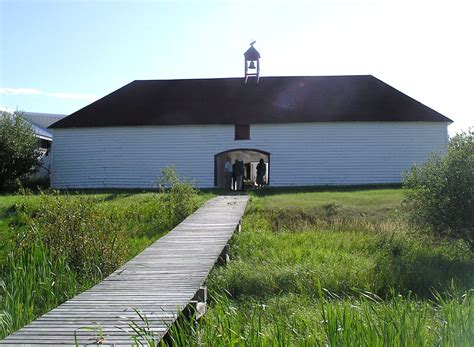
[(301, 153)]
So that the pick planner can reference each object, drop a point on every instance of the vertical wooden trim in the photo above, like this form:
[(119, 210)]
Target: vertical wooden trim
[(268, 171), (215, 169)]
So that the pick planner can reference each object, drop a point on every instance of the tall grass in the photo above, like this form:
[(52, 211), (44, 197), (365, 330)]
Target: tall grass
[(383, 284), (33, 282), (329, 320), (92, 239), (290, 246), (70, 244), (74, 240), (268, 263)]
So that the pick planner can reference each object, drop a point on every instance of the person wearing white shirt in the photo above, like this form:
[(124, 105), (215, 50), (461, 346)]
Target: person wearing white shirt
[(228, 173)]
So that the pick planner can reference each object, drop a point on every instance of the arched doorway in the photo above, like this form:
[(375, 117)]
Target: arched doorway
[(249, 156)]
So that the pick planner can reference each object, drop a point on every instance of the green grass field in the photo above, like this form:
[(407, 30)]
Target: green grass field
[(336, 267), (358, 199)]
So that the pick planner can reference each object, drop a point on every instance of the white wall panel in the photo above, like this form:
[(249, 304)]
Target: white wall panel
[(301, 153)]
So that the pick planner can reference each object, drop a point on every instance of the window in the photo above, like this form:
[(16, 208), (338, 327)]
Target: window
[(242, 132)]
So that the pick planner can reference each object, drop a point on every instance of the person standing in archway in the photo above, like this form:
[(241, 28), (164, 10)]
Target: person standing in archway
[(261, 171), (228, 174), (239, 165), (234, 176)]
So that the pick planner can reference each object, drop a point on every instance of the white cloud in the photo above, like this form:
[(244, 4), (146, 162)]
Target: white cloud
[(32, 91), (19, 91), (75, 96)]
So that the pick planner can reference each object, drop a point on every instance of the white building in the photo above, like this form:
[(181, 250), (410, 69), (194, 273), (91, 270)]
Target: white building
[(331, 130), (40, 123)]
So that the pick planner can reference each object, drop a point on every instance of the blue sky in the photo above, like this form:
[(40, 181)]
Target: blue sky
[(58, 56)]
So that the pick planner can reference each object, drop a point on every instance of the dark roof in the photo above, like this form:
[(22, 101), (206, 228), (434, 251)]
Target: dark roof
[(272, 100)]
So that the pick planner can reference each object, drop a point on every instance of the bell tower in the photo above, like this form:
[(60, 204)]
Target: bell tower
[(252, 62)]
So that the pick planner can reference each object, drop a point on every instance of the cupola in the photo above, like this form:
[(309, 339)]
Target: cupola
[(252, 63)]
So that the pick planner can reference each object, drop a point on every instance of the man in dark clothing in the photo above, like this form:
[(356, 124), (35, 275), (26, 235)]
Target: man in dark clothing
[(234, 176), (261, 171), (239, 164)]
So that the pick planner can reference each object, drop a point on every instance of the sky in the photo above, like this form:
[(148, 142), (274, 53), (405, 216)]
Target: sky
[(58, 56)]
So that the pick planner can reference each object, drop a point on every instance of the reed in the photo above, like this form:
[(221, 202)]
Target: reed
[(331, 320), (33, 283)]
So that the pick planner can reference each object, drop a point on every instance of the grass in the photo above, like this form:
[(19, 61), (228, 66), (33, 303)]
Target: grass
[(142, 231), (358, 199), (336, 267), (327, 320), (342, 261), (55, 245), (359, 204), (311, 267)]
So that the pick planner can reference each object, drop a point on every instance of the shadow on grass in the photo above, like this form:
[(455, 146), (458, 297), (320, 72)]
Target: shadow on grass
[(428, 273), (125, 192), (309, 189), (111, 191)]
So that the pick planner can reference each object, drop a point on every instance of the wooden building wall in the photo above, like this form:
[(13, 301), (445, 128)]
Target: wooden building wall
[(301, 153)]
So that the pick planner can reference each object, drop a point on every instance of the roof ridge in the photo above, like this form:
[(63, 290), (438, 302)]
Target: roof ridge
[(242, 78), (275, 99)]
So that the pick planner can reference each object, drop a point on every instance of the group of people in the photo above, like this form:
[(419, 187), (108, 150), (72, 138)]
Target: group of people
[(234, 174)]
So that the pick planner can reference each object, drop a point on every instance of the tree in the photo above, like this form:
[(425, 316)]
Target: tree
[(440, 193), (18, 148)]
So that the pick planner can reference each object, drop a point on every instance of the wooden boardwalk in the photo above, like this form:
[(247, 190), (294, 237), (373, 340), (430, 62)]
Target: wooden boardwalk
[(159, 282)]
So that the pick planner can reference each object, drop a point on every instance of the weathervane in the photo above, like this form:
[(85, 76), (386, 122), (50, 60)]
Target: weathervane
[(252, 62)]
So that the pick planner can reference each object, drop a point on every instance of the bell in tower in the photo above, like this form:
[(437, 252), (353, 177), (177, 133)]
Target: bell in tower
[(252, 62)]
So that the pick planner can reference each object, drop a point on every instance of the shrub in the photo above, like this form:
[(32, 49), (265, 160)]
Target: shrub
[(179, 194), (36, 183), (18, 148), (93, 239), (440, 193)]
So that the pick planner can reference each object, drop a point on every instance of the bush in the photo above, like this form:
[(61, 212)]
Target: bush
[(93, 239), (36, 183), (18, 148), (179, 195), (440, 193)]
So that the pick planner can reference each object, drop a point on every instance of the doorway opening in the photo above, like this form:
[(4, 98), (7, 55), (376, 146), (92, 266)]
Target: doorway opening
[(250, 157)]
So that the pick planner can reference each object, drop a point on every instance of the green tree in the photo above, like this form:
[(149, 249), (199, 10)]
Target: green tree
[(440, 193), (18, 148)]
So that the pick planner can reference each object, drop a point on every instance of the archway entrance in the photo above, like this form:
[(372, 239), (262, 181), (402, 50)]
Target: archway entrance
[(250, 157)]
